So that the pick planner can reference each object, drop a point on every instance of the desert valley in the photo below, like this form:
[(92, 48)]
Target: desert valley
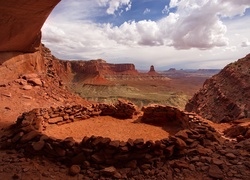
[(75, 119)]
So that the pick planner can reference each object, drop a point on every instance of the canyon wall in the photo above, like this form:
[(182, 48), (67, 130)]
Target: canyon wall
[(98, 67), (225, 96), (20, 48)]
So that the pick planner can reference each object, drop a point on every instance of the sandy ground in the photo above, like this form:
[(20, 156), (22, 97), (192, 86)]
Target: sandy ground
[(106, 126)]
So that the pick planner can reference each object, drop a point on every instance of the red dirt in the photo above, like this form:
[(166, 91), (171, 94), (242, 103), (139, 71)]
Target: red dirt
[(113, 128)]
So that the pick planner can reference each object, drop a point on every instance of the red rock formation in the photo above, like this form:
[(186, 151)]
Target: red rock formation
[(152, 71), (21, 22), (225, 96), (95, 71), (99, 67), (14, 64)]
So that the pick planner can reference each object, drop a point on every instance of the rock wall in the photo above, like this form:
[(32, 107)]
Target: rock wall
[(41, 118), (225, 96), (112, 158), (14, 64), (160, 115), (21, 22), (99, 67)]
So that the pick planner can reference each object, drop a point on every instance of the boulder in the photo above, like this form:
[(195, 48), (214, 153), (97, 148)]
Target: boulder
[(215, 172), (74, 170), (55, 120)]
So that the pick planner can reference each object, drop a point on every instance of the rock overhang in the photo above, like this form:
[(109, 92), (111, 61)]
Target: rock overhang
[(21, 22)]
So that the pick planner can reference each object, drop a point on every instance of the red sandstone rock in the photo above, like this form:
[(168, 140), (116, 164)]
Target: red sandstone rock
[(74, 170), (94, 71), (215, 172), (152, 71), (21, 22)]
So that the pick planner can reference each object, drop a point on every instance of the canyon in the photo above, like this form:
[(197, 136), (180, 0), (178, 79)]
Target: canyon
[(47, 131)]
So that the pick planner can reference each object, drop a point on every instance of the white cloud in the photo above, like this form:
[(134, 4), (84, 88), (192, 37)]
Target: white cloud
[(245, 43), (174, 3), (165, 10), (146, 11), (207, 25), (114, 5), (198, 25)]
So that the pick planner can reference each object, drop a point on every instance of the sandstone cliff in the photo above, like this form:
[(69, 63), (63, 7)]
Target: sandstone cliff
[(92, 71), (21, 23), (98, 67), (225, 96)]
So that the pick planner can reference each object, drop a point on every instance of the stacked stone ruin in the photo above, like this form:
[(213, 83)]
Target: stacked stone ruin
[(192, 149)]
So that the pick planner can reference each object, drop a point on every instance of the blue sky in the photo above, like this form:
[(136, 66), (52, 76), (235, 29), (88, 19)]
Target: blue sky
[(140, 10), (164, 33)]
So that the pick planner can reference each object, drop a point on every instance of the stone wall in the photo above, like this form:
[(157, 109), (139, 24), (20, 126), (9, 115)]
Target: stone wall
[(159, 115), (101, 153), (41, 118)]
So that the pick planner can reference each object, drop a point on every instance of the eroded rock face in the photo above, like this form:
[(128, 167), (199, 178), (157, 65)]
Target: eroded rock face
[(225, 96), (99, 66), (21, 22)]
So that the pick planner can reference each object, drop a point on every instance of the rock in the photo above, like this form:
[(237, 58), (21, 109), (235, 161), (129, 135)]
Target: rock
[(235, 131), (30, 76), (179, 143), (217, 161), (109, 171), (152, 71), (85, 164), (17, 137), (201, 151), (169, 150), (114, 144), (69, 142), (16, 176), (79, 158), (138, 142), (145, 167), (230, 156), (182, 134), (29, 136), (98, 158), (60, 151), (27, 87), (6, 94), (38, 146), (247, 135), (55, 120), (215, 172), (28, 38), (26, 97), (35, 82), (74, 170), (131, 164), (179, 164)]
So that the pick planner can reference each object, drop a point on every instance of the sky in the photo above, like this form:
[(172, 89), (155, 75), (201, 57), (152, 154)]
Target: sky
[(187, 34)]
